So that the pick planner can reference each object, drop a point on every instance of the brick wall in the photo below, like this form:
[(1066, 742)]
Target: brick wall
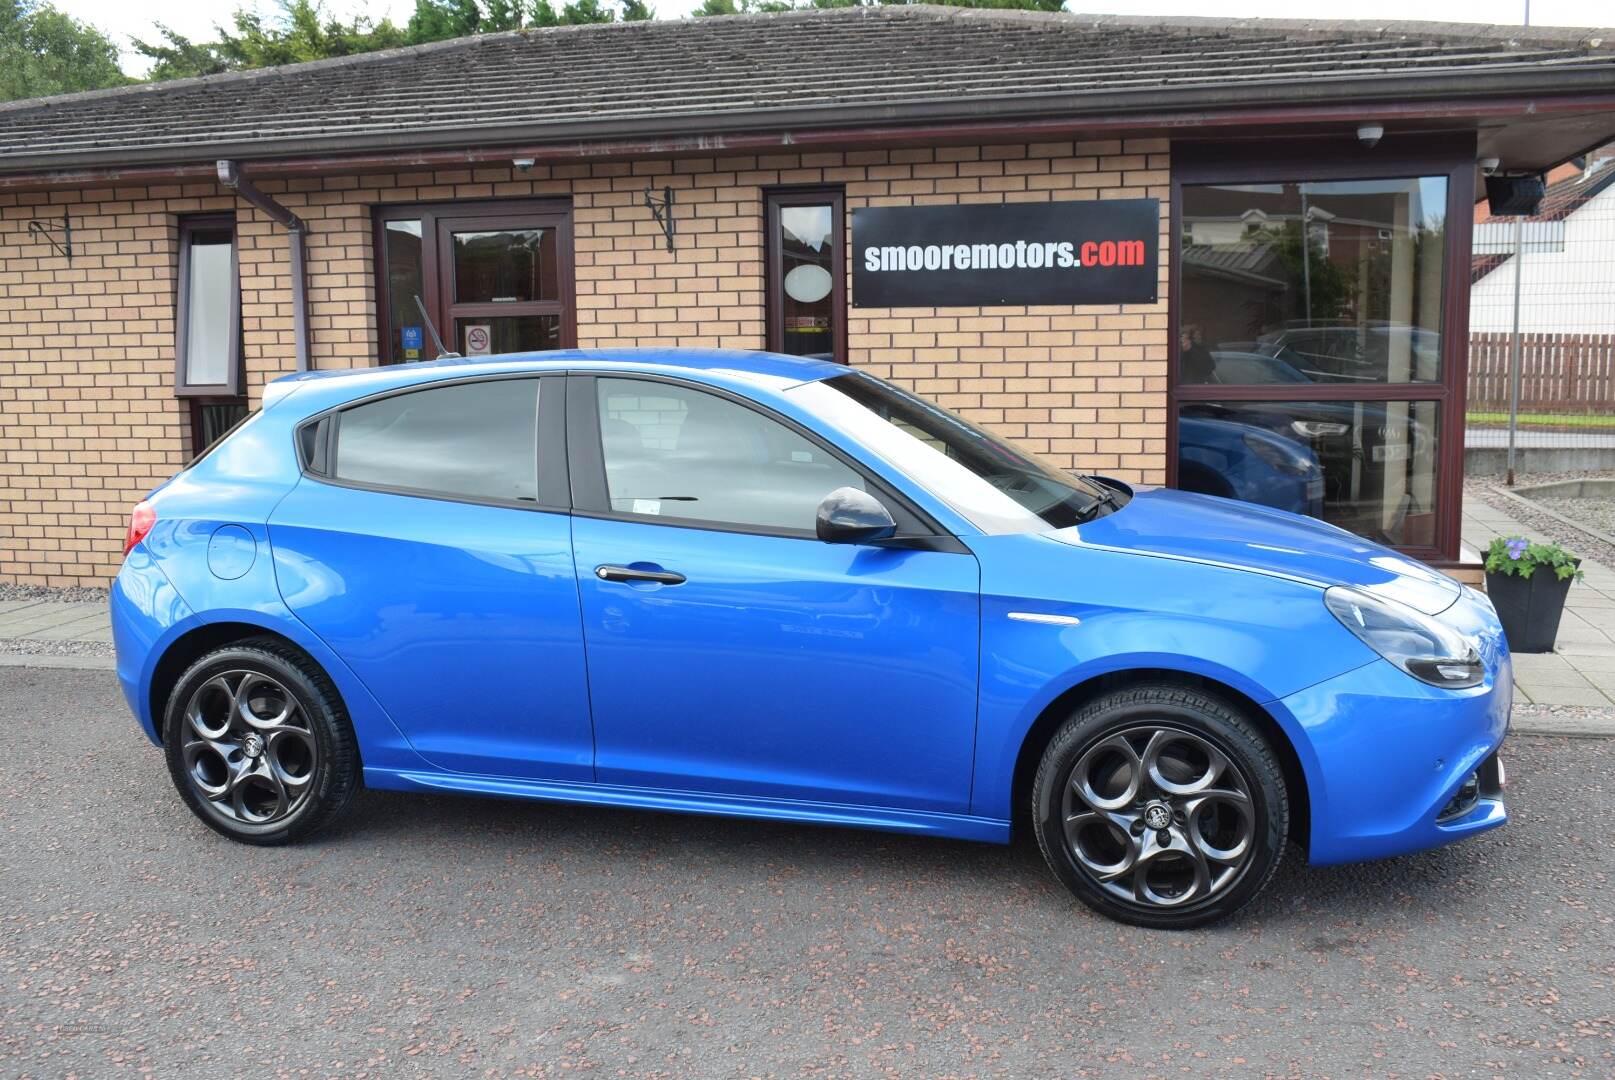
[(88, 420)]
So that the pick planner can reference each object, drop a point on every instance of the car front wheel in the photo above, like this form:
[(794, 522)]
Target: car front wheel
[(1161, 806), (259, 744)]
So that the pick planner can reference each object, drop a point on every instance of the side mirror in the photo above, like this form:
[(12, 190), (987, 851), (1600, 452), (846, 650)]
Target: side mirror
[(850, 516)]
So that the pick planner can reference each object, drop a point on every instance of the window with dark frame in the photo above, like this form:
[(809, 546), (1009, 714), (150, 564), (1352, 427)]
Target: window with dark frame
[(494, 276), (473, 440), (806, 290), (207, 328), (1315, 363)]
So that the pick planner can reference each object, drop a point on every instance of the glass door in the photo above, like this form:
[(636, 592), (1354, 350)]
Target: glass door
[(501, 283), (494, 278)]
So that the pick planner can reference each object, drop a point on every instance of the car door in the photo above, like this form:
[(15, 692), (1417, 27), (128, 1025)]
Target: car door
[(429, 545), (729, 650)]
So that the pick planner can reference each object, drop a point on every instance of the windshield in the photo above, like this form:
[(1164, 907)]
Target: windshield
[(998, 486)]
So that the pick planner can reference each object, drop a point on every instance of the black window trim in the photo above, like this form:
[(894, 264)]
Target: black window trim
[(774, 200), (550, 449), (590, 498), (231, 387)]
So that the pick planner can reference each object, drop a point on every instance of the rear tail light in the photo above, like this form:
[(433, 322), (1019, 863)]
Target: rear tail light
[(141, 519)]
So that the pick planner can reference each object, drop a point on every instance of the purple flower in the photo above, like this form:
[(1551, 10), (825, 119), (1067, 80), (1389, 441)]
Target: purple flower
[(1516, 548)]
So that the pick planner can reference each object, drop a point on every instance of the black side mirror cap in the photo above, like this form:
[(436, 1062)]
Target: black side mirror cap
[(850, 516)]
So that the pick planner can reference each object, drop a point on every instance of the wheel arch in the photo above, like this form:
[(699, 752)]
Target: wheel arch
[(196, 643), (1075, 697)]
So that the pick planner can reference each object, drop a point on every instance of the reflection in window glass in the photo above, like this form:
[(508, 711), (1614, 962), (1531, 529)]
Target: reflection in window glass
[(475, 440), (1367, 466), (209, 329), (1328, 282), (408, 339), (505, 266), (807, 280), (486, 335), (679, 453)]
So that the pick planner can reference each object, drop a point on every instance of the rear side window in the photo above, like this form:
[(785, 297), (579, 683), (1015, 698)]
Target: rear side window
[(471, 441)]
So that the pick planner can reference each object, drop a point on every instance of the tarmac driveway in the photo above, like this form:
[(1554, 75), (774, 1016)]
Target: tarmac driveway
[(434, 935)]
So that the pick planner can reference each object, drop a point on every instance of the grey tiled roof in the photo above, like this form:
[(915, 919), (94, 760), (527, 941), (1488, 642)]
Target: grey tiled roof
[(881, 65)]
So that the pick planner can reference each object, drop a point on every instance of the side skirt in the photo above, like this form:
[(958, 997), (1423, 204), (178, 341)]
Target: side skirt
[(956, 826)]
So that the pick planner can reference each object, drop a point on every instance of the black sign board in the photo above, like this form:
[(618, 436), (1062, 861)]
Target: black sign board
[(1013, 253)]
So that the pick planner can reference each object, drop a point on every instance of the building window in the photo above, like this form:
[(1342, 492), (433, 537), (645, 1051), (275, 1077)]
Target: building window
[(207, 323), (494, 277), (807, 288), (212, 420), (1313, 368)]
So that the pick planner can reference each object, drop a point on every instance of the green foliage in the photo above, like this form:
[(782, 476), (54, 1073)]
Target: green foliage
[(1518, 556), (753, 7), (437, 20), (43, 51), (304, 30)]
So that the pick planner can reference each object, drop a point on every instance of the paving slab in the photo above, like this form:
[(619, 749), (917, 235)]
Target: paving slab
[(1566, 695), (1566, 676)]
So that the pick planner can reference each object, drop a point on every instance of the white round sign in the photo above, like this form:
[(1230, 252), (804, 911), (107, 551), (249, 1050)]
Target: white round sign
[(808, 284)]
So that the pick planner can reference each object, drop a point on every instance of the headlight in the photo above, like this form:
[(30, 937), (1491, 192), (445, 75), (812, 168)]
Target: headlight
[(1426, 648), (1318, 429), (1285, 462)]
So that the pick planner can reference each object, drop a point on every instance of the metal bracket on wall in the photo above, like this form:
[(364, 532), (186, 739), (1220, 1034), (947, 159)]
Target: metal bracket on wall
[(662, 210), (59, 235)]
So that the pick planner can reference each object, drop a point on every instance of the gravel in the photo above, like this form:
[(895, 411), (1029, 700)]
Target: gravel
[(42, 647), (429, 935), (1598, 513), (1539, 525), (80, 595)]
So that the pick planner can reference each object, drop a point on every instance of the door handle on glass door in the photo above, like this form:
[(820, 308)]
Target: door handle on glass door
[(630, 573)]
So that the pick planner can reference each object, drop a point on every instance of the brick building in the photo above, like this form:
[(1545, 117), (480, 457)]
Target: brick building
[(167, 249)]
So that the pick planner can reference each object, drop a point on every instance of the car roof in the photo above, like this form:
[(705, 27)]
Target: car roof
[(725, 367)]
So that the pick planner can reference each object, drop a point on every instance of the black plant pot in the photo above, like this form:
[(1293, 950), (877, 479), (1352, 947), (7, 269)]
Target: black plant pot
[(1529, 608)]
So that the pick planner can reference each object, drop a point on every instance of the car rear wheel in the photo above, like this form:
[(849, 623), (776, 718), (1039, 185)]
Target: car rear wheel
[(1161, 806), (259, 744)]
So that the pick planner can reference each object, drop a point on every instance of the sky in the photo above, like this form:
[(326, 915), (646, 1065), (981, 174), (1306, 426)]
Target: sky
[(122, 19)]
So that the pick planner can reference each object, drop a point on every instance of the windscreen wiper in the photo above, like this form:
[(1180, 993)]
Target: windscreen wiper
[(1106, 497)]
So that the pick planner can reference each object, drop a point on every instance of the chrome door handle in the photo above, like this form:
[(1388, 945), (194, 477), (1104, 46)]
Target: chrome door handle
[(628, 573)]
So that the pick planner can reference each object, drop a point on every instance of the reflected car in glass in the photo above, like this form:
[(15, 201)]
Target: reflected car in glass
[(769, 587)]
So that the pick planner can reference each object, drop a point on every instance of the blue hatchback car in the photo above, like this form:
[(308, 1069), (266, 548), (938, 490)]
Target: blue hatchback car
[(767, 587)]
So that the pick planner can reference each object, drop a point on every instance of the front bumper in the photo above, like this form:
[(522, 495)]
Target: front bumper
[(1389, 756)]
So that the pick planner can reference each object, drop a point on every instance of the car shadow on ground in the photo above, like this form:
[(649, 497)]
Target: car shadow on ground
[(1412, 887)]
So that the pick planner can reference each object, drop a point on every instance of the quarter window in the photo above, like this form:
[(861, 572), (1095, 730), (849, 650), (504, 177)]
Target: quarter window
[(674, 452), (472, 440)]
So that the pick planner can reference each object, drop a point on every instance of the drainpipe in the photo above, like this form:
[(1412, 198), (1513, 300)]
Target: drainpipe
[(230, 176)]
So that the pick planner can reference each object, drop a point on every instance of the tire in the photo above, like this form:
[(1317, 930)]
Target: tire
[(259, 744), (1166, 857)]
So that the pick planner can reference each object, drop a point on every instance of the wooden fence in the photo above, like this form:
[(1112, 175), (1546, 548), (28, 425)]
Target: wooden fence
[(1559, 373)]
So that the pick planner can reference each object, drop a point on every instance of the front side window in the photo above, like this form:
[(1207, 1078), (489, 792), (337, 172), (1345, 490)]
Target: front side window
[(806, 286), (675, 452), (473, 440), (207, 344), (997, 485)]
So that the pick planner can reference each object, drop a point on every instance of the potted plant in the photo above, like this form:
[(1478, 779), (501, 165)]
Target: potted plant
[(1527, 584)]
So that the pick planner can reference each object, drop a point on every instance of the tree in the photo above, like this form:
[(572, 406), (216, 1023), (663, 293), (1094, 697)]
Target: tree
[(436, 20), (43, 51), (302, 31), (750, 7)]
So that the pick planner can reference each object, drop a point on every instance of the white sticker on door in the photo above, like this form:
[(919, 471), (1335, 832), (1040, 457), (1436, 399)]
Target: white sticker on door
[(478, 339)]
